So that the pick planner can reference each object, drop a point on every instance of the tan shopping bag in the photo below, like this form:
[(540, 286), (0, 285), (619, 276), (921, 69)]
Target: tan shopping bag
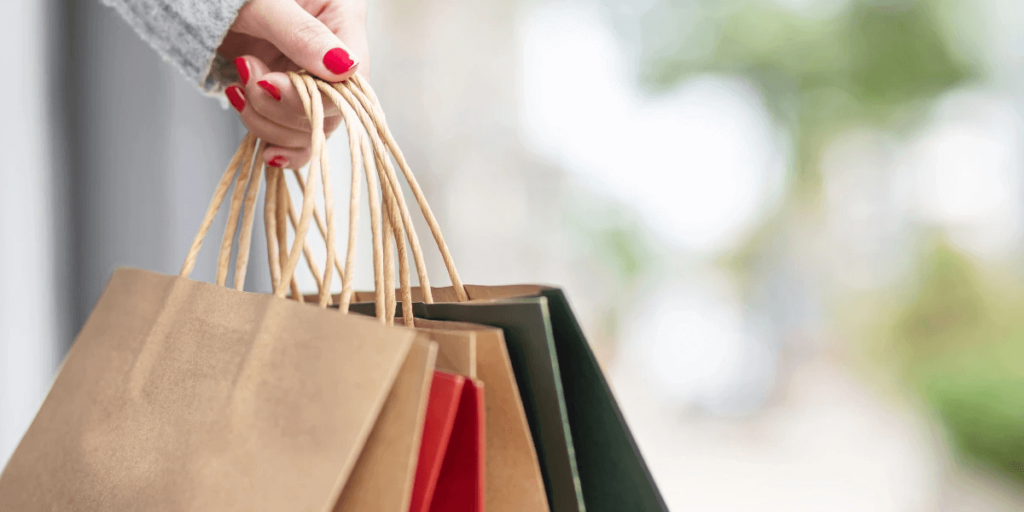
[(179, 395)]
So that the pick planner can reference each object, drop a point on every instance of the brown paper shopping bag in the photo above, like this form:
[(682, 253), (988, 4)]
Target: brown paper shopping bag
[(382, 477), (179, 395)]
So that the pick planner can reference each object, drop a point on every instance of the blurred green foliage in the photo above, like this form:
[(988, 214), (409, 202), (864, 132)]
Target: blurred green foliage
[(962, 346), (878, 64), (874, 63)]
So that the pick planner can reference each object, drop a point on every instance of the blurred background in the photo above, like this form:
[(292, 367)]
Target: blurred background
[(793, 229)]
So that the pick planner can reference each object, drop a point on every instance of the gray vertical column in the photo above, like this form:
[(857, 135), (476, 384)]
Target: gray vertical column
[(147, 150)]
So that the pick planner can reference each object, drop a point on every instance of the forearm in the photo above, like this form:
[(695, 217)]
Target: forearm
[(185, 32)]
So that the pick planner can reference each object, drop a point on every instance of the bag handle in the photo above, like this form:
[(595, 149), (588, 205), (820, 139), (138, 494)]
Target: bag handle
[(349, 95), (362, 157), (396, 220), (357, 102), (279, 201), (360, 89), (358, 94), (393, 217), (249, 156), (316, 116), (244, 158), (248, 218), (244, 172)]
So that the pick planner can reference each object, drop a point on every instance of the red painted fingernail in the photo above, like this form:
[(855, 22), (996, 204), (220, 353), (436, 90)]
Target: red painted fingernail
[(338, 61), (243, 70), (278, 161), (271, 89), (236, 97)]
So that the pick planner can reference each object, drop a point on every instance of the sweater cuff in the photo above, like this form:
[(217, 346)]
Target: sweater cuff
[(186, 33)]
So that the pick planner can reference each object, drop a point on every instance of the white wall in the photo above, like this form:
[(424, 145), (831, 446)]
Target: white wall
[(30, 321)]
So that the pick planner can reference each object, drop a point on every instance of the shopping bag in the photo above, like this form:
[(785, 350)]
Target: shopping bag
[(451, 471), (588, 456), (383, 475), (457, 349), (179, 395)]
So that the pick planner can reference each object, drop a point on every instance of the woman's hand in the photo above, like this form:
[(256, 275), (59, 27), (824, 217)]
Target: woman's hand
[(325, 37)]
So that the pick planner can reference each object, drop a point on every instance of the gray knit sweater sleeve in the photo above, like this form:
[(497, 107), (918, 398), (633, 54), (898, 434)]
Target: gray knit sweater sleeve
[(187, 33)]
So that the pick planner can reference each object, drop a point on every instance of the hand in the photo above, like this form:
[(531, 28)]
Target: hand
[(270, 37)]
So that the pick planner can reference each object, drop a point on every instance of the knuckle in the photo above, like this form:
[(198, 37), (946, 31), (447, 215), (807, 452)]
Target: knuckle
[(307, 33)]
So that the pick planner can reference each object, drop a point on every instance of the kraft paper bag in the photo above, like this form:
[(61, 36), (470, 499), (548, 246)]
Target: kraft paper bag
[(383, 476), (457, 348), (184, 396)]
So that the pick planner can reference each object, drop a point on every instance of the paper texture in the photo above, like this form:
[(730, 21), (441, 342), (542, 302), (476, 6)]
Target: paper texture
[(184, 396)]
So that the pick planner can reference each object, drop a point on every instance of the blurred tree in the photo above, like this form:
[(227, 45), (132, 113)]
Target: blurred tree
[(961, 346), (878, 64), (872, 63)]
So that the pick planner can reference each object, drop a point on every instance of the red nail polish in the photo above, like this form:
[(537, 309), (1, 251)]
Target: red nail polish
[(271, 89), (278, 161), (236, 97), (338, 61), (243, 70)]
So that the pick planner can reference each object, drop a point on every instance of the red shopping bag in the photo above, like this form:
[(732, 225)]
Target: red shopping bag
[(450, 473)]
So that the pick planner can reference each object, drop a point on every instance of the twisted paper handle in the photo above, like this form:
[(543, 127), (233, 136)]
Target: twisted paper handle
[(362, 156), (250, 157), (370, 145), (356, 96), (359, 96), (241, 165)]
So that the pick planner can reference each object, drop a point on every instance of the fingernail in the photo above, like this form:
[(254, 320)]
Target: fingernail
[(278, 161), (236, 97), (338, 61), (271, 89), (243, 70)]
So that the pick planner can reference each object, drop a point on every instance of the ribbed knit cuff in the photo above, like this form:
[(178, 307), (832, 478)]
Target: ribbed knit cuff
[(187, 33)]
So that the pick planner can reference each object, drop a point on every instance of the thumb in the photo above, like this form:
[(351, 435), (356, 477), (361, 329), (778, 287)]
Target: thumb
[(300, 36)]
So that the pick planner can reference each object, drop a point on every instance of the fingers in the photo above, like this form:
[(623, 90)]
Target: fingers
[(262, 127), (269, 131), (273, 95), (271, 109), (289, 158), (300, 36), (348, 19)]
